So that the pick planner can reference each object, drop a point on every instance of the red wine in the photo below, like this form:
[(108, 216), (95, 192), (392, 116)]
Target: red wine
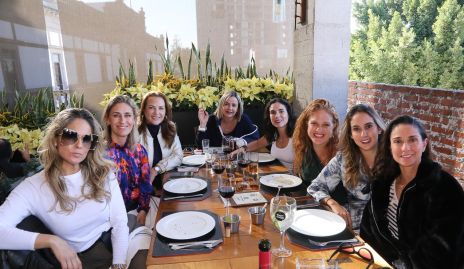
[(243, 163), (218, 169), (226, 191)]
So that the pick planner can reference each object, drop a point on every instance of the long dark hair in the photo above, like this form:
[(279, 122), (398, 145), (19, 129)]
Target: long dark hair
[(270, 132), (355, 164), (167, 126), (385, 165)]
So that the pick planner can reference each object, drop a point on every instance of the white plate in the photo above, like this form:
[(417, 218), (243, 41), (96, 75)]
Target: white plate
[(194, 160), (284, 180), (317, 222), (185, 225), (266, 157), (185, 185)]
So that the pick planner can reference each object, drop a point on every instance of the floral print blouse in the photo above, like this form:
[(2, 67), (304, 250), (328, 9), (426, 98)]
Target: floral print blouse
[(328, 180), (133, 173)]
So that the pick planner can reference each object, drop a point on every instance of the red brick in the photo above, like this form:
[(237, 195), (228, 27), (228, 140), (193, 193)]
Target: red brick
[(448, 161), (441, 93), (428, 99), (411, 98), (442, 130), (447, 102), (405, 105)]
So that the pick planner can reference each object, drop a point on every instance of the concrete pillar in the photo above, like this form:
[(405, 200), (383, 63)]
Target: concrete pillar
[(321, 54)]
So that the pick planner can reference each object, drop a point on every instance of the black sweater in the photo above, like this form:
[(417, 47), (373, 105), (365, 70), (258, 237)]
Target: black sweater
[(430, 219)]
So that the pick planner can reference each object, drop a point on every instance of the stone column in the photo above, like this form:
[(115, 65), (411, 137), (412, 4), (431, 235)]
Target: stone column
[(321, 54)]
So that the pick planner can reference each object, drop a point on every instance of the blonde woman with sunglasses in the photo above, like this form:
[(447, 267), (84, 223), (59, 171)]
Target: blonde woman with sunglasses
[(76, 196)]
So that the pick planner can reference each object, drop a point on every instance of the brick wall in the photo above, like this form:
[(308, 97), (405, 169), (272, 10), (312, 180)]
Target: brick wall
[(441, 111)]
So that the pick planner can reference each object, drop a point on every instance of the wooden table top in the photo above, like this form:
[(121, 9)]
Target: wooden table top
[(240, 251)]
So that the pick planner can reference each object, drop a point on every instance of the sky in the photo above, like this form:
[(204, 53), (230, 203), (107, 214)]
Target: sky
[(177, 18)]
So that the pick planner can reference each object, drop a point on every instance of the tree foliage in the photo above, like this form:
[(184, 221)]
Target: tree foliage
[(411, 42)]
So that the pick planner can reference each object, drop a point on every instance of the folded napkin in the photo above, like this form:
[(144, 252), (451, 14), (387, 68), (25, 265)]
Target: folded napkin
[(188, 169)]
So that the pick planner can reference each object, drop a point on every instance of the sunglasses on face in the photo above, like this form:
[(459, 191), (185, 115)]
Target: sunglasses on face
[(348, 248), (71, 137)]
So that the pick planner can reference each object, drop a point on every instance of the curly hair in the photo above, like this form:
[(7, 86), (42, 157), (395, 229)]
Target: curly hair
[(95, 168), (133, 137), (167, 126), (355, 165), (270, 132), (302, 144), (385, 165)]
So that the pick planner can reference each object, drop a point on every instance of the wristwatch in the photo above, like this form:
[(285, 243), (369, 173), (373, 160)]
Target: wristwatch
[(157, 169), (201, 129)]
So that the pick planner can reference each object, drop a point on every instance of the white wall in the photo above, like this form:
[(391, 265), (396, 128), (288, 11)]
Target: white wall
[(331, 51), (321, 59)]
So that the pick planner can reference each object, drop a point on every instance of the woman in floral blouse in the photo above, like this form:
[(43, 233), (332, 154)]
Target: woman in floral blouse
[(129, 156), (359, 140)]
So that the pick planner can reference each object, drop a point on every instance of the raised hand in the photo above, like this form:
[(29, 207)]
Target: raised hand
[(203, 117)]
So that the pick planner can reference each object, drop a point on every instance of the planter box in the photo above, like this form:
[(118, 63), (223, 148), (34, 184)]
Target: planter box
[(187, 121)]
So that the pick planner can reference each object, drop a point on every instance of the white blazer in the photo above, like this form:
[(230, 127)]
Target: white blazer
[(172, 157)]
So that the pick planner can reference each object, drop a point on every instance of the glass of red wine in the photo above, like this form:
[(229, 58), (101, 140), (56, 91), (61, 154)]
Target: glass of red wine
[(227, 189), (243, 161), (218, 164)]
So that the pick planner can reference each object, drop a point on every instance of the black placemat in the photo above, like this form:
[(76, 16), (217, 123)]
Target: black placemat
[(302, 239), (161, 247), (206, 192)]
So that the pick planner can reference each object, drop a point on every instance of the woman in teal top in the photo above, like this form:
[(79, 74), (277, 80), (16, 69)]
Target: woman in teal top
[(315, 139)]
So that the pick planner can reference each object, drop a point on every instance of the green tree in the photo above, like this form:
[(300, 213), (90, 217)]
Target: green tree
[(413, 42)]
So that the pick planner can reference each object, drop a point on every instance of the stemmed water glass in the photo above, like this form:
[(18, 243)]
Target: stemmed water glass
[(227, 189), (283, 211)]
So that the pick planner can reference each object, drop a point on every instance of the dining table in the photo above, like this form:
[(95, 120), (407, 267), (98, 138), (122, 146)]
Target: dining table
[(240, 250)]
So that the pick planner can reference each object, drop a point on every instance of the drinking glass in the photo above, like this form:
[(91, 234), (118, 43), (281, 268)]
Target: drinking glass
[(227, 189), (226, 144), (283, 211), (205, 145)]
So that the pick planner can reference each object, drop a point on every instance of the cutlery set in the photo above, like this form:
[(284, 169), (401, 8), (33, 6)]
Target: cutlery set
[(195, 245), (182, 197), (324, 243)]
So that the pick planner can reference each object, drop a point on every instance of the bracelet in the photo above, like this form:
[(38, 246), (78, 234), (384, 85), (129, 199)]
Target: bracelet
[(327, 201), (118, 266), (202, 129)]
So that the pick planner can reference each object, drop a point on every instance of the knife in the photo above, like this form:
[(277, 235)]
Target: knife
[(182, 197)]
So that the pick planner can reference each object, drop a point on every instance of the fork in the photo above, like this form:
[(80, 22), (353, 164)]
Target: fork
[(210, 244), (322, 244)]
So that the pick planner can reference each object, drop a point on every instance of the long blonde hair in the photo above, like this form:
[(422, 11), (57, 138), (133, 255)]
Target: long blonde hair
[(355, 165), (95, 168), (302, 144), (133, 137)]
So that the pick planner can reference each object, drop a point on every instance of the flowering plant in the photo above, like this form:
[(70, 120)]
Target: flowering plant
[(19, 137), (191, 94)]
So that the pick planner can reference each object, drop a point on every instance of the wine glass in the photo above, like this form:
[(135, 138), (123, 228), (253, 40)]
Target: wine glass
[(227, 189), (218, 164), (243, 160), (283, 211)]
